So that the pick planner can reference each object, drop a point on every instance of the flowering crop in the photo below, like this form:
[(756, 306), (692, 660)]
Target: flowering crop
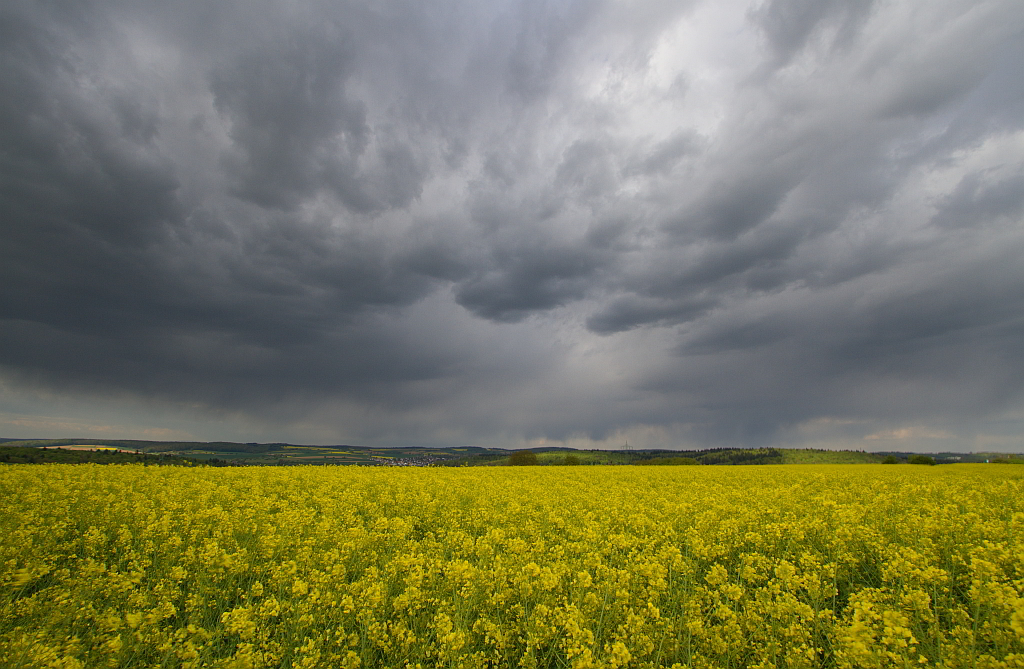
[(784, 566)]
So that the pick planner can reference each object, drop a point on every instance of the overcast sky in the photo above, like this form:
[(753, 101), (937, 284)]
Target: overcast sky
[(511, 223)]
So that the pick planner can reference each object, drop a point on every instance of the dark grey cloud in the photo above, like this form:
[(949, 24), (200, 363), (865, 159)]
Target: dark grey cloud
[(633, 311), (788, 25), (663, 156), (526, 280), (689, 223), (975, 202), (295, 132)]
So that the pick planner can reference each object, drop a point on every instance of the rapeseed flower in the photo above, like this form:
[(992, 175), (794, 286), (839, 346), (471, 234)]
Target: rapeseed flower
[(842, 566)]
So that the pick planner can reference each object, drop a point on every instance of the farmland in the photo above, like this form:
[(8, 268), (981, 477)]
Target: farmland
[(267, 454), (796, 566), (242, 454)]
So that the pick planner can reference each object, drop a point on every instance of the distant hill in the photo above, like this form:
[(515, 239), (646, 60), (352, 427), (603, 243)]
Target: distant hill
[(234, 453), (107, 456), (149, 446)]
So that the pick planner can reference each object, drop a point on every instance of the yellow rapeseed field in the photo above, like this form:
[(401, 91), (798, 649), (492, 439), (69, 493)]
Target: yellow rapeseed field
[(777, 566)]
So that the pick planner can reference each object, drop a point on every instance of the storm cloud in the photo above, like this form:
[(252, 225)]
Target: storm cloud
[(686, 224)]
